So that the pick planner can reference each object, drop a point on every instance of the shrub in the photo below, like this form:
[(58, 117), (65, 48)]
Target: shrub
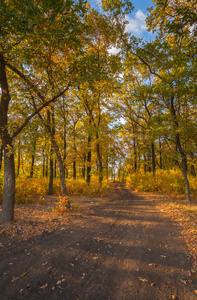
[(28, 188), (165, 181)]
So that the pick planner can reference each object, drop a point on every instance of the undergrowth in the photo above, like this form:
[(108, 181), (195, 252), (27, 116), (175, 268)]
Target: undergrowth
[(170, 182), (28, 188)]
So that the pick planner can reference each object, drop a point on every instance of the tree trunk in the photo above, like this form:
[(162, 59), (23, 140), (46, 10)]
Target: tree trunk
[(9, 169), (43, 163), (51, 173), (153, 158), (181, 150), (19, 157), (47, 165), (1, 156), (193, 172), (61, 168), (84, 166), (100, 163), (9, 182), (89, 156), (160, 156), (145, 164), (135, 154), (184, 168), (74, 161), (32, 166), (65, 147), (33, 160), (55, 169)]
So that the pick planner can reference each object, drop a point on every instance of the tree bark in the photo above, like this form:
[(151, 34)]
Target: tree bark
[(99, 158), (9, 182), (43, 163), (84, 166), (153, 158), (32, 166), (89, 157), (74, 160), (160, 156), (181, 150), (9, 169), (51, 172), (19, 157), (1, 156), (61, 168)]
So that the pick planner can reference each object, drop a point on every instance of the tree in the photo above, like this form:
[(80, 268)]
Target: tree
[(32, 29)]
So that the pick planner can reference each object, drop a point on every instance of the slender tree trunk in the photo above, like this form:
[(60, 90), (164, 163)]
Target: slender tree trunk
[(51, 172), (61, 168), (43, 163), (19, 156), (55, 169), (193, 172), (84, 166), (153, 158), (32, 166), (33, 160), (99, 158), (181, 150), (89, 157), (145, 164), (160, 155), (65, 147), (47, 165), (52, 123), (1, 156), (74, 162), (135, 154)]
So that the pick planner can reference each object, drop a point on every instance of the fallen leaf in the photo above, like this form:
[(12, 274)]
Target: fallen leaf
[(195, 291), (153, 284), (15, 278), (143, 279), (72, 265), (183, 281), (44, 286), (95, 257), (59, 282)]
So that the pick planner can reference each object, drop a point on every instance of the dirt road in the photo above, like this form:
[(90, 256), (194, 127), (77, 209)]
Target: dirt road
[(119, 248)]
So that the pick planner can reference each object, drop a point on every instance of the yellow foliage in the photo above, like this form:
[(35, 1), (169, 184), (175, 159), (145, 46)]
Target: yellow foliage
[(28, 188), (165, 181), (63, 205)]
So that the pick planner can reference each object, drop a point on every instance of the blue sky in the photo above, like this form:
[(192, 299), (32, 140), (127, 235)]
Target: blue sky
[(136, 19)]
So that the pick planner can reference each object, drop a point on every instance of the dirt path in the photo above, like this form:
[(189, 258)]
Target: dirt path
[(121, 248)]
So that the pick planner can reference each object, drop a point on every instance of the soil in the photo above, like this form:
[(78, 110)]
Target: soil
[(117, 247)]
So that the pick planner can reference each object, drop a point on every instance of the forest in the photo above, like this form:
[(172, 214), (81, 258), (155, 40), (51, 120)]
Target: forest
[(75, 115)]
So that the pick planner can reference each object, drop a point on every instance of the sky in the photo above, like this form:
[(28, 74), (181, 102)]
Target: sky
[(136, 19)]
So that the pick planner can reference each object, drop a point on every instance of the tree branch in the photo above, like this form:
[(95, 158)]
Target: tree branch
[(39, 109)]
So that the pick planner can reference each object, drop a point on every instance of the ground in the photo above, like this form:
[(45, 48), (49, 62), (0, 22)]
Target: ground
[(117, 247)]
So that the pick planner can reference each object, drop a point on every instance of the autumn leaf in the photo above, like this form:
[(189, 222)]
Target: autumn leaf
[(44, 286)]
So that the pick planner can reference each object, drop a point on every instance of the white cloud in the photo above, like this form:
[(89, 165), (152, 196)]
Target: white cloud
[(137, 24)]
